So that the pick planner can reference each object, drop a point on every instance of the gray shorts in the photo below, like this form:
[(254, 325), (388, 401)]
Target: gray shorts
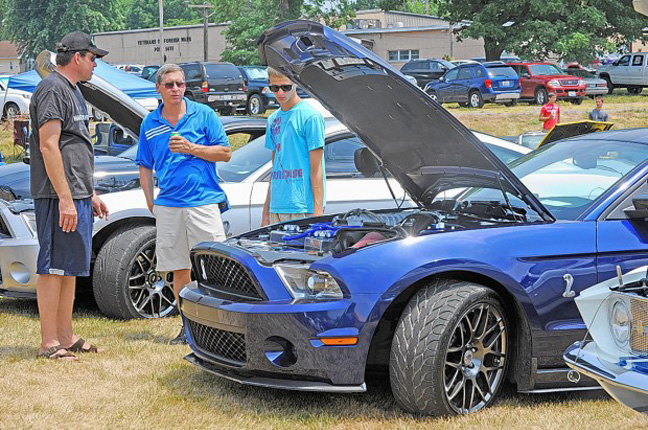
[(277, 218), (180, 229)]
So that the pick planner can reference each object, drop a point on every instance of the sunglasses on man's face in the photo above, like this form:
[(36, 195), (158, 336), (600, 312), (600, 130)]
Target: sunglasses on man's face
[(285, 88), (170, 85)]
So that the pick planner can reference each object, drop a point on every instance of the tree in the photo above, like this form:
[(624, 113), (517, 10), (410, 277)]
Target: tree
[(248, 20), (146, 14), (574, 30), (34, 25)]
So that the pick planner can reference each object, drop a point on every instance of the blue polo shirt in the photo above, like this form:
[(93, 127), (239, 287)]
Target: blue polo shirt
[(184, 180)]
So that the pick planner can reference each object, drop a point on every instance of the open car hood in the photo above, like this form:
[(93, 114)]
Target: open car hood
[(572, 129), (421, 144), (103, 96)]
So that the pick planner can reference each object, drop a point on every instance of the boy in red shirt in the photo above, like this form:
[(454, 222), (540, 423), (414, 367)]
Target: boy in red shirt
[(550, 113)]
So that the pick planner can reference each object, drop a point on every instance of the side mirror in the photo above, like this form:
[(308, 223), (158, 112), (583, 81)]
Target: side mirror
[(640, 209), (441, 79)]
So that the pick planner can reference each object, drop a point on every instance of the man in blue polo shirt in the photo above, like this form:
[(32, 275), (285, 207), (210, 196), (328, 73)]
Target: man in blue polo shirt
[(182, 141)]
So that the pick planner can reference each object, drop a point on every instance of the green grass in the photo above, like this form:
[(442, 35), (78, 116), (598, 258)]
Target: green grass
[(141, 382)]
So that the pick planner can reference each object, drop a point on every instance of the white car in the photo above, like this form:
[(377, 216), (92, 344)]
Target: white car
[(616, 315), (14, 102)]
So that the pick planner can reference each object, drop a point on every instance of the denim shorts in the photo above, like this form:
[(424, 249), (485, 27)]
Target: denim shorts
[(66, 254)]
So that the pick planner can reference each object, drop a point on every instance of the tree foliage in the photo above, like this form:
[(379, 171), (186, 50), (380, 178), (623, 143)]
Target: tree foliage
[(253, 17), (572, 30), (146, 14), (34, 25)]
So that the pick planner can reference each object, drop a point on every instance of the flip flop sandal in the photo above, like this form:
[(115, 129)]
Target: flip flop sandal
[(78, 347), (51, 353)]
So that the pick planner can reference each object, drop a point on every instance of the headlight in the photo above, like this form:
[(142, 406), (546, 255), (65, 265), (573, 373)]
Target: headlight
[(581, 83), (306, 284), (620, 323), (29, 218), (554, 83)]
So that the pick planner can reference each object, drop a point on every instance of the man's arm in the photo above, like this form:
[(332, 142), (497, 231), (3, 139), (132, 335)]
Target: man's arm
[(212, 153), (50, 133), (317, 180), (544, 116), (265, 217), (146, 181)]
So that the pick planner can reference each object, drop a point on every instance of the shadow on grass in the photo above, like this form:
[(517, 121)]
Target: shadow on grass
[(84, 306), (377, 403)]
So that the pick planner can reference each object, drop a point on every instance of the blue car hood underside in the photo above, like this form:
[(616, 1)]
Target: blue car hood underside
[(418, 142)]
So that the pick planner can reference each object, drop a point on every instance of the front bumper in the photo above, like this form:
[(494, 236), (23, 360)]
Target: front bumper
[(276, 343), (596, 91), (626, 384)]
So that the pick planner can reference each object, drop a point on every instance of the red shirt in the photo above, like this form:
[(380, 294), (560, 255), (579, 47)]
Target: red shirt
[(547, 110)]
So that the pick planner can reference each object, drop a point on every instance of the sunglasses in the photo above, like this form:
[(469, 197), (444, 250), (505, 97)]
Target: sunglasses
[(170, 85), (285, 88)]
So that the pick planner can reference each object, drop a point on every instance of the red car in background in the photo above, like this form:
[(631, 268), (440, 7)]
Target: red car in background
[(539, 79)]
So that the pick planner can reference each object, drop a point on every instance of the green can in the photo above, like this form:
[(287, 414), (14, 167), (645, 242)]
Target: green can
[(175, 133)]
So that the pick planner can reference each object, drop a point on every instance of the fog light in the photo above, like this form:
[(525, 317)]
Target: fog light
[(279, 351)]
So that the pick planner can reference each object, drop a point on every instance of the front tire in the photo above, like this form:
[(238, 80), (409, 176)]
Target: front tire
[(541, 96), (433, 96), (125, 282), (11, 111), (610, 85), (449, 354), (635, 90)]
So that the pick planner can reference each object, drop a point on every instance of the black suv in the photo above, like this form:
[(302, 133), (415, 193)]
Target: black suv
[(426, 70), (219, 85)]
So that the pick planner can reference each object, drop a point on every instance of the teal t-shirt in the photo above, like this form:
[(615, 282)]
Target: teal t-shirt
[(291, 135)]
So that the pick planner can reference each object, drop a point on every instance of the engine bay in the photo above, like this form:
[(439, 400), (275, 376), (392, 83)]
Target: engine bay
[(358, 228)]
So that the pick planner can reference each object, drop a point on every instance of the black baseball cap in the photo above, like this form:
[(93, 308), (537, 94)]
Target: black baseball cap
[(79, 41)]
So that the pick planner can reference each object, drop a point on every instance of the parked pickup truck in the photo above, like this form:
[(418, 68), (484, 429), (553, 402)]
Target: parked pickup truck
[(539, 79), (630, 72)]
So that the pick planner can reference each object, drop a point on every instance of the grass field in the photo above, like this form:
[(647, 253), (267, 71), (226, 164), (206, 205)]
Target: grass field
[(140, 382)]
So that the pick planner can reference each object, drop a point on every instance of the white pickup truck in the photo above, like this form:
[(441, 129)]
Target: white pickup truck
[(630, 72)]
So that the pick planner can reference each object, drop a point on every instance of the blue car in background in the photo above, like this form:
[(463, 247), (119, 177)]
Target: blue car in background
[(447, 300), (259, 95), (472, 85)]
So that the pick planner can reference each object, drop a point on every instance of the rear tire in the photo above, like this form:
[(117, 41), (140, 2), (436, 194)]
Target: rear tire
[(433, 96), (635, 90), (541, 96), (511, 103), (11, 110), (449, 353), (475, 100), (463, 104), (255, 105), (125, 282)]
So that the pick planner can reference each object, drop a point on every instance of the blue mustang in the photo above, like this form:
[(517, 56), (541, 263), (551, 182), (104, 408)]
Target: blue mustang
[(453, 298)]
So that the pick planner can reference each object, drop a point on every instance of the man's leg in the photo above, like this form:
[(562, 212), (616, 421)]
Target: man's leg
[(48, 293), (180, 278), (64, 317)]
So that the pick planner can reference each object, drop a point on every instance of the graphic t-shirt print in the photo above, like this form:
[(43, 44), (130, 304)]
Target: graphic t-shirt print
[(280, 172)]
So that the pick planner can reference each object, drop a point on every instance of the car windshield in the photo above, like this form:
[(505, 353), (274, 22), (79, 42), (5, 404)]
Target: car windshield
[(544, 70), (257, 73), (569, 175), (494, 71), (245, 161)]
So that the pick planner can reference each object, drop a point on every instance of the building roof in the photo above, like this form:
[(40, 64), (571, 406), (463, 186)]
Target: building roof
[(395, 29), (396, 12), (8, 50), (144, 30)]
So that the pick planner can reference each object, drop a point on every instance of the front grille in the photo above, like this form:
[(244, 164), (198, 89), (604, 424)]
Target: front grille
[(569, 82), (223, 345), (639, 327), (226, 275)]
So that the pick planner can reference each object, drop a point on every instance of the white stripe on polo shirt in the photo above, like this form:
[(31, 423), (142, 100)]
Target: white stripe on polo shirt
[(159, 132)]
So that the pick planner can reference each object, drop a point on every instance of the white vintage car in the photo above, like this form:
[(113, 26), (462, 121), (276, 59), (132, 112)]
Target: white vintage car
[(616, 315), (125, 282), (14, 102)]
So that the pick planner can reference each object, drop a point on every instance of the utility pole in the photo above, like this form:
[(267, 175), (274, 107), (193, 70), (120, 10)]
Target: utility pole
[(161, 7), (203, 9)]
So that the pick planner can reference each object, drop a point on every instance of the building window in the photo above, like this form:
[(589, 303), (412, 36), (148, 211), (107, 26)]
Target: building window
[(403, 55)]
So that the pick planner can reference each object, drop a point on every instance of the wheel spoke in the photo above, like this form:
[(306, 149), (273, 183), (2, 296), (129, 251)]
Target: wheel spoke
[(134, 277), (479, 389), (448, 387), (495, 339), (136, 287), (144, 303), (457, 388), (453, 365)]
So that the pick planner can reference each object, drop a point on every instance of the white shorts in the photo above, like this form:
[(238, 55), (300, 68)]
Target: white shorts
[(180, 229)]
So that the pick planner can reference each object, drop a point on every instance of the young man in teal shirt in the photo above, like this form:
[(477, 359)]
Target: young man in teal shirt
[(295, 135)]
